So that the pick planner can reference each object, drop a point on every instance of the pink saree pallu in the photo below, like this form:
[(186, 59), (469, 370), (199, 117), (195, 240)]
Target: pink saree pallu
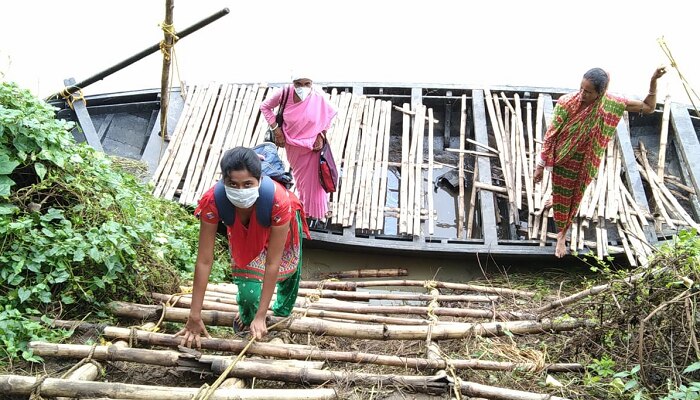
[(305, 163)]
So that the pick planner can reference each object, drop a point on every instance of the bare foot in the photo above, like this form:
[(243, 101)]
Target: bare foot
[(560, 251)]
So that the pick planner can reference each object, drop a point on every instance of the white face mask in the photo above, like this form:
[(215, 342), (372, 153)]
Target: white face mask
[(302, 92), (242, 198)]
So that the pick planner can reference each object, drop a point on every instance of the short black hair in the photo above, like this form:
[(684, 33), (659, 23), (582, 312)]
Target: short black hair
[(599, 78), (241, 159)]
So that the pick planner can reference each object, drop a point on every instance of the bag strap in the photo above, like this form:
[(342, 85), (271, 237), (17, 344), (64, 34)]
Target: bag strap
[(279, 118), (263, 205)]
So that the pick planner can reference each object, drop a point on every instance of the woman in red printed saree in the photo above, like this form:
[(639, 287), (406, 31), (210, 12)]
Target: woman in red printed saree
[(582, 125)]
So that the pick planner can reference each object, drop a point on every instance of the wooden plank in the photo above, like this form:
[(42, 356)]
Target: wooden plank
[(687, 140), (663, 138), (486, 199), (693, 197), (360, 185), (84, 119), (431, 219), (634, 180), (462, 141)]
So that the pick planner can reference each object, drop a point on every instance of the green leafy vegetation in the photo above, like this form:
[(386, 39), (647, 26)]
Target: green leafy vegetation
[(76, 231)]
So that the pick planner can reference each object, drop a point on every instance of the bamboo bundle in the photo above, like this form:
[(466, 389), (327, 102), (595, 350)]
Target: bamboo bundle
[(50, 387), (353, 330)]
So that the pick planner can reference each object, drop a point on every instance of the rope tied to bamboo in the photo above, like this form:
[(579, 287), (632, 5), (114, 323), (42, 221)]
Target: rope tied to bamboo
[(205, 392), (71, 98), (36, 388), (168, 31), (87, 359)]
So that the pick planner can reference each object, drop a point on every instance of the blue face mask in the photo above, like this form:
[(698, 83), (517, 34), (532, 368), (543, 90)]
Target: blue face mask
[(242, 198)]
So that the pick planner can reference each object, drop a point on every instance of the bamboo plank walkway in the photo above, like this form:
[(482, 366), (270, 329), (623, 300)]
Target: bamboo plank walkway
[(219, 116)]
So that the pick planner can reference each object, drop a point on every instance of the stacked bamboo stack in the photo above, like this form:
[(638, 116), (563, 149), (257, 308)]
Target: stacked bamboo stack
[(218, 117), (305, 364), (215, 118), (607, 206)]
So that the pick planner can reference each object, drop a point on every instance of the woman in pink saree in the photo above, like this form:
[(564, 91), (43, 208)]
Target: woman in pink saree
[(307, 117)]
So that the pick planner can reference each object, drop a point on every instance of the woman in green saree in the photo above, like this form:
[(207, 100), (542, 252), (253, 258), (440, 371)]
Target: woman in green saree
[(582, 125)]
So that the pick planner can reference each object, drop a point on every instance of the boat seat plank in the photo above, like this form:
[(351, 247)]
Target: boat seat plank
[(486, 198), (686, 139)]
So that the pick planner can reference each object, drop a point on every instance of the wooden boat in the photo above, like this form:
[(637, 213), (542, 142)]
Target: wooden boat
[(400, 148)]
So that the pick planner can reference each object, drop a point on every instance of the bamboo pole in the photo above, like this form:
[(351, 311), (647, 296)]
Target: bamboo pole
[(385, 167), (313, 353), (153, 312), (404, 182), (449, 285), (646, 172), (359, 331), (490, 392), (375, 207), (166, 49), (364, 296), (367, 273), (431, 220), (419, 133), (50, 387)]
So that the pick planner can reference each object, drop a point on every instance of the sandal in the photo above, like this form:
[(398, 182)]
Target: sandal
[(239, 328)]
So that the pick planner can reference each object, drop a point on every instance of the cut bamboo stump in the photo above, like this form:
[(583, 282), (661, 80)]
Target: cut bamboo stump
[(50, 387)]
